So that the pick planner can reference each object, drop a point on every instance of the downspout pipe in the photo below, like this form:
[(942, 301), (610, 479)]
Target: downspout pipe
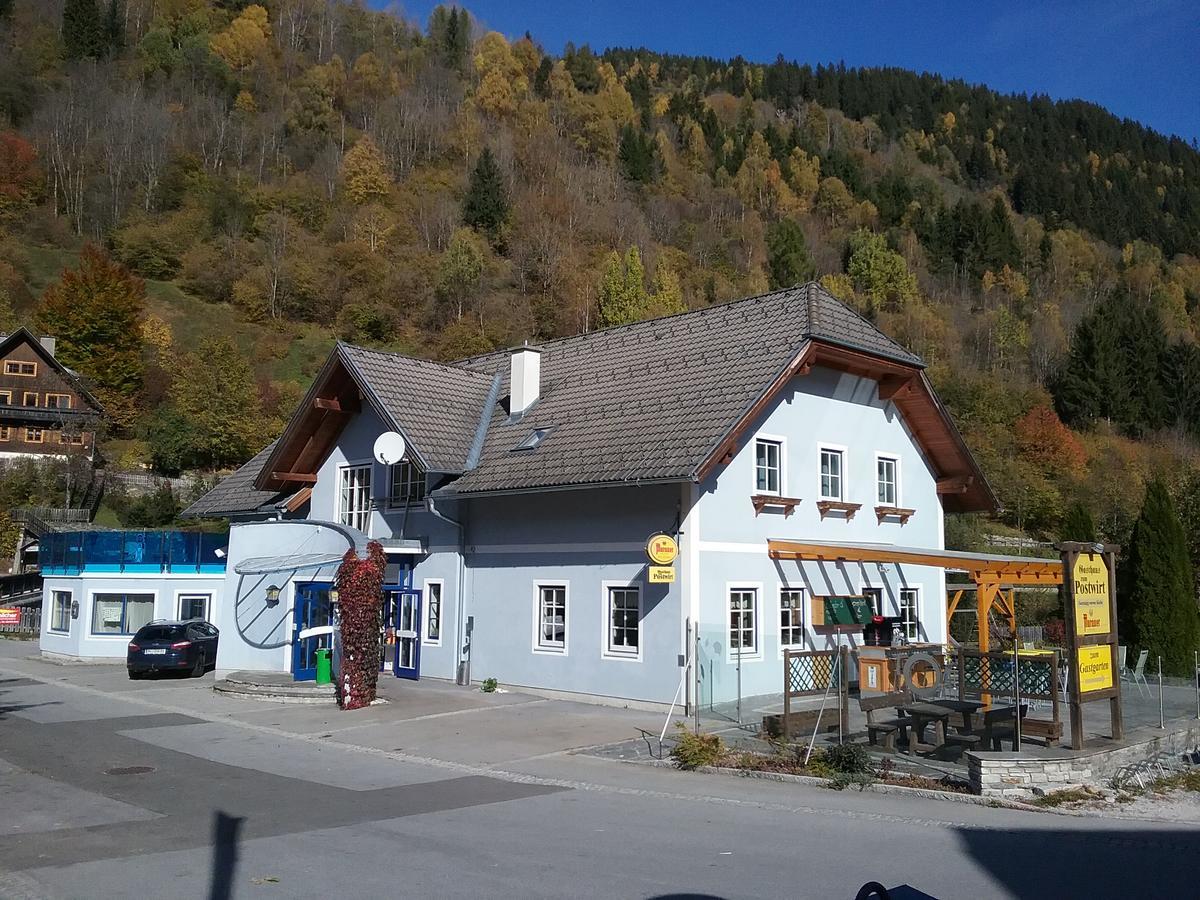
[(462, 664)]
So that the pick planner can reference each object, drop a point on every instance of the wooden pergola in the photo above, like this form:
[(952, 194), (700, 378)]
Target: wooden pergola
[(994, 575)]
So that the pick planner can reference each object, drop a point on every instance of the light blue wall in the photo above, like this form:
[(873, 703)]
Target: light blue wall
[(80, 642), (583, 539), (255, 636), (828, 407)]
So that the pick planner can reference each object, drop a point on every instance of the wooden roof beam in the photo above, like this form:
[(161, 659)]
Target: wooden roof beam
[(955, 484), (294, 477), (892, 386)]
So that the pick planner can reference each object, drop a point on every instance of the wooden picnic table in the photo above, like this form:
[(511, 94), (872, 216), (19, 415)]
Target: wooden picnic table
[(923, 713), (966, 707)]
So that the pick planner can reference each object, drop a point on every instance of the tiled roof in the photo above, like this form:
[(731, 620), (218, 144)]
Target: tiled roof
[(236, 493), (437, 406), (645, 402), (650, 401)]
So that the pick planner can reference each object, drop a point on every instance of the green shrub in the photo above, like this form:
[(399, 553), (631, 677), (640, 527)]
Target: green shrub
[(694, 750), (849, 759), (489, 685)]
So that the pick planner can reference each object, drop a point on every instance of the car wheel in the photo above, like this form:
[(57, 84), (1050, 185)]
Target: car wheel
[(198, 668), (134, 676)]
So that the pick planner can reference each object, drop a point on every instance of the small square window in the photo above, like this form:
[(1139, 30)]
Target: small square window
[(33, 435), (832, 474), (624, 614), (768, 466), (910, 617), (29, 398), (194, 606), (407, 483), (743, 621), (58, 401), (5, 398)]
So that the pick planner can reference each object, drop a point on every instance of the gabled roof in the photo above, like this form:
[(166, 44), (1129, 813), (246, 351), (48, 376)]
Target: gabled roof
[(236, 495), (23, 334), (661, 400)]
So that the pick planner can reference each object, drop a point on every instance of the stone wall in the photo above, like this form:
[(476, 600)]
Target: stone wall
[(1008, 774)]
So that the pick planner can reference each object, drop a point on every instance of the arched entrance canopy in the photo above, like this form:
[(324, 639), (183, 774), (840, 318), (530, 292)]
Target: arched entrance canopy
[(992, 573)]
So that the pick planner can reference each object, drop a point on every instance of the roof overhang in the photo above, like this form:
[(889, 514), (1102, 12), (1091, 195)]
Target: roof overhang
[(334, 397), (961, 482), (982, 567)]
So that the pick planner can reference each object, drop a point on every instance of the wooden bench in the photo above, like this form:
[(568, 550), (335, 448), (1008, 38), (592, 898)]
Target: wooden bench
[(1000, 724), (1050, 732), (965, 741), (801, 723), (889, 728)]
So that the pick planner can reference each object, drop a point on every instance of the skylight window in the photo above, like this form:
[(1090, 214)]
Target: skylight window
[(532, 440)]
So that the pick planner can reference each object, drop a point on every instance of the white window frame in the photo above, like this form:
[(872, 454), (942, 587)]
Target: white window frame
[(781, 442), (112, 635), (756, 654), (367, 513), (441, 617), (415, 479), (180, 596), (54, 609), (912, 630), (538, 645), (795, 610), (894, 459), (607, 651), (842, 482)]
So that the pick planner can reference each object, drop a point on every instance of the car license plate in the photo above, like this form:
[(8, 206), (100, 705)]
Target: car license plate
[(156, 652)]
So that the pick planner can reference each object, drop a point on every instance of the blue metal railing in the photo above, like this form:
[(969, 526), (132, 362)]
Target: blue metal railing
[(73, 552)]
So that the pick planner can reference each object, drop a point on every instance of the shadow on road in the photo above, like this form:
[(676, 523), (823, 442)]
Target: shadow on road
[(225, 855), (1091, 861), (6, 708)]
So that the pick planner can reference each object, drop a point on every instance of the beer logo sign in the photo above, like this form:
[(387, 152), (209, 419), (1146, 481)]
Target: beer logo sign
[(662, 550), (1089, 583)]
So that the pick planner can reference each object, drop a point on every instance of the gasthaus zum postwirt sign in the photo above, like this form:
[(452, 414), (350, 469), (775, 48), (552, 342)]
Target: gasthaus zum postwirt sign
[(662, 550), (1091, 635), (1090, 582)]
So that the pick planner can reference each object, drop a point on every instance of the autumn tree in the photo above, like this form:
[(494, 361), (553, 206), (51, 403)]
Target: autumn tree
[(246, 39), (486, 205), (623, 298), (460, 271), (788, 261), (19, 175), (1158, 600), (666, 293), (95, 311), (365, 173), (1044, 441), (880, 274)]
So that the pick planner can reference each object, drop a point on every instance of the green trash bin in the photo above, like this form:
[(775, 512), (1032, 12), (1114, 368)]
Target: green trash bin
[(324, 666)]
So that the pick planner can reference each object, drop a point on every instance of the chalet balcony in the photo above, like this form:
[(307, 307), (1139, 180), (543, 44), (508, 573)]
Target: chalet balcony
[(179, 552)]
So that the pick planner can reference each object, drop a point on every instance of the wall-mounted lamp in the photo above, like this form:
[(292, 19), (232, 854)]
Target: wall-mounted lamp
[(333, 596), (273, 595), (219, 553)]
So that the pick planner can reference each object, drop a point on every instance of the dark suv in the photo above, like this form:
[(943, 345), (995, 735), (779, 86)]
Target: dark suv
[(173, 647)]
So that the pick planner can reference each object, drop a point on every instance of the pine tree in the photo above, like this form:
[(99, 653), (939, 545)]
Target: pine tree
[(1078, 524), (82, 30), (486, 205), (637, 155), (1157, 602), (788, 261), (114, 27)]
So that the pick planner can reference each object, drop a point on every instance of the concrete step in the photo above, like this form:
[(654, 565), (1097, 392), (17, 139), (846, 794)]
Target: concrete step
[(277, 687)]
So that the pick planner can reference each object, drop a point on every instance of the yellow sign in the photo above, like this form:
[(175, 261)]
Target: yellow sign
[(1095, 668), (1089, 582), (662, 574), (662, 549)]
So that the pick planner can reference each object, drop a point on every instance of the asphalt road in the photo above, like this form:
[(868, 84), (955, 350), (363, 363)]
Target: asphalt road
[(105, 796)]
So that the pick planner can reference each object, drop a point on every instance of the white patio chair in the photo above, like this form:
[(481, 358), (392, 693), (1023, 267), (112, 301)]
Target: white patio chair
[(1137, 674)]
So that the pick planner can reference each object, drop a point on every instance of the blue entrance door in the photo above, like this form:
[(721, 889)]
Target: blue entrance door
[(312, 610), (406, 631)]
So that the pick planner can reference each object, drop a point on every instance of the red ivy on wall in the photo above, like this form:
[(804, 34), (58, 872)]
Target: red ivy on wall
[(360, 594)]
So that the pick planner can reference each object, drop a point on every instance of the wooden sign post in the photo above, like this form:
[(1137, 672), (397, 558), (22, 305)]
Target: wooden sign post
[(1090, 585)]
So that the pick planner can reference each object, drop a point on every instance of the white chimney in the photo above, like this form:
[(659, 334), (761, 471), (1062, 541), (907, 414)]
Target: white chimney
[(525, 379), (48, 343)]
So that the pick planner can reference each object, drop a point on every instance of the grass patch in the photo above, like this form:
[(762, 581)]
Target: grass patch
[(1180, 781), (1066, 797)]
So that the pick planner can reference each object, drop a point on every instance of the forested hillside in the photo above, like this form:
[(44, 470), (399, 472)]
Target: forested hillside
[(198, 197)]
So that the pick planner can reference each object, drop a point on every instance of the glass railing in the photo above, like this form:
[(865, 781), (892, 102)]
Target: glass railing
[(73, 552)]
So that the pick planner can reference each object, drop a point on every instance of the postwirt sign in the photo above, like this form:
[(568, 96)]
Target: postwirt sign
[(1088, 580)]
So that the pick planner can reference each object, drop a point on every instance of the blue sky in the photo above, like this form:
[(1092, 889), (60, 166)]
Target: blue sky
[(1138, 58)]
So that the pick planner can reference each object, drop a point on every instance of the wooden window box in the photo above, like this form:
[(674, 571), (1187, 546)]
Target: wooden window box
[(828, 506), (896, 512), (762, 501)]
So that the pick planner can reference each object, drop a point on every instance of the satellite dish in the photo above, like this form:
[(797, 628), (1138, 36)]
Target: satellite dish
[(389, 448)]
